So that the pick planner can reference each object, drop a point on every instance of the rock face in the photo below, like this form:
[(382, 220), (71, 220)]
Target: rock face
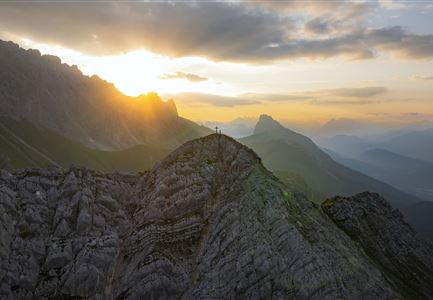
[(207, 222), (387, 239)]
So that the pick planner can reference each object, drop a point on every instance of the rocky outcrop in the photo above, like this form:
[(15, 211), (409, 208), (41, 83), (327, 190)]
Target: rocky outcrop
[(60, 235), (388, 240), (208, 221)]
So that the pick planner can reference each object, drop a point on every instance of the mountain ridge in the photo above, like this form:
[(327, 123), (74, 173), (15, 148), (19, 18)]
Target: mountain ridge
[(40, 89), (208, 221)]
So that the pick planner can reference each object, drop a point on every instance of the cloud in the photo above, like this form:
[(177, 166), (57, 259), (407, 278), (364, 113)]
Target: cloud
[(364, 92), (391, 4), (378, 114), (345, 102), (340, 96), (252, 32), (318, 26), (182, 75), (328, 96), (314, 7), (221, 31), (210, 99), (276, 97), (420, 77), (349, 96)]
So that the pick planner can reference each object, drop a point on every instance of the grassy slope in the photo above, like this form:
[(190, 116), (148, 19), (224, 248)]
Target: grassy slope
[(297, 183), (284, 150), (28, 146)]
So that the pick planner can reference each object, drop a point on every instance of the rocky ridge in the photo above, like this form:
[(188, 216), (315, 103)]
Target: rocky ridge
[(387, 239), (208, 221)]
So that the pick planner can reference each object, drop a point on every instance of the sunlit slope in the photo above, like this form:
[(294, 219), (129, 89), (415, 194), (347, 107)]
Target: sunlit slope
[(284, 150), (25, 145)]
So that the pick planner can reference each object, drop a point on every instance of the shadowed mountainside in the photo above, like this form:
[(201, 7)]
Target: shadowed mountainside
[(417, 144), (24, 145), (411, 175), (208, 221), (387, 239), (55, 96)]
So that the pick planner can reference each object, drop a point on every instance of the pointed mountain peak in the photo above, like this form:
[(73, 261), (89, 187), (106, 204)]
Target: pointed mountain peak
[(266, 123)]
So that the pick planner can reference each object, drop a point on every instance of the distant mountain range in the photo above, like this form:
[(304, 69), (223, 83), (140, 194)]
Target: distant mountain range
[(48, 94), (416, 144), (346, 126), (411, 175), (284, 150), (240, 127), (353, 127)]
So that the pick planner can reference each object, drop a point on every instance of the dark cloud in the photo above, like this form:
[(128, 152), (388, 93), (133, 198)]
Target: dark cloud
[(253, 32), (215, 100), (221, 31), (397, 40), (315, 7), (318, 26), (182, 75)]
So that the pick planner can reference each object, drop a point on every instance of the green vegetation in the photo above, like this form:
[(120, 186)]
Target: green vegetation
[(296, 183), (25, 145)]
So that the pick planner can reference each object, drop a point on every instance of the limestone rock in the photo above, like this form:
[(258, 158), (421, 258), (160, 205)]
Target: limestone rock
[(381, 231)]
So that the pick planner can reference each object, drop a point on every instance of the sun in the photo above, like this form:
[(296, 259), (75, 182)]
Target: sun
[(137, 72)]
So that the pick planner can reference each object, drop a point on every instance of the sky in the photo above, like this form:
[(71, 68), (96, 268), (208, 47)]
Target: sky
[(304, 61)]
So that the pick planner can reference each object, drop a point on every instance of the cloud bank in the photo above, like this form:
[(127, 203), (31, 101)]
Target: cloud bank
[(364, 92), (210, 99), (251, 32), (340, 96)]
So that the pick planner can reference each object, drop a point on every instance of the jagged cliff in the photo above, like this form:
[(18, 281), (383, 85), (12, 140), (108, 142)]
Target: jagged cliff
[(387, 239), (208, 221), (51, 95)]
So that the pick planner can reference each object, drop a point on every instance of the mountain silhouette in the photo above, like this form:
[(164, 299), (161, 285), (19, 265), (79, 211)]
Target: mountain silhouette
[(51, 95)]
